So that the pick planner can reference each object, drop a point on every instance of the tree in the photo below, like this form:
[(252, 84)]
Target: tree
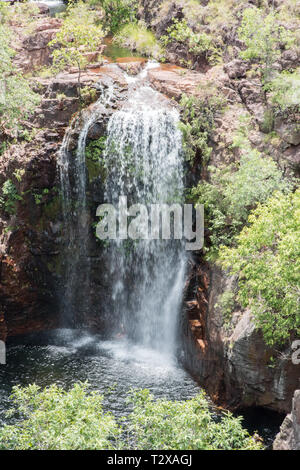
[(78, 36), (267, 261), (55, 419), (263, 35), (17, 100)]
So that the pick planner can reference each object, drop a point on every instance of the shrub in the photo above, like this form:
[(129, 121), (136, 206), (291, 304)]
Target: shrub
[(184, 425), (267, 261), (54, 419), (137, 38), (117, 13), (233, 191), (17, 100), (196, 43), (285, 91), (197, 122), (78, 35), (9, 197), (263, 35)]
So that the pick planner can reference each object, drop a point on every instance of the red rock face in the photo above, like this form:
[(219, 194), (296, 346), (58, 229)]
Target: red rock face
[(233, 362)]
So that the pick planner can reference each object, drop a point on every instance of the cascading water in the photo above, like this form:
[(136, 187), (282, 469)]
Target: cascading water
[(76, 218), (143, 159), (144, 162)]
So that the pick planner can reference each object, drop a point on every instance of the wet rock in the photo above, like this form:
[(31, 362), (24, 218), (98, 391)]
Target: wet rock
[(289, 436)]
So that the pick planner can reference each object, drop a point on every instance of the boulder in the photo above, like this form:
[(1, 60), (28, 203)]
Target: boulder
[(236, 68), (288, 131), (289, 436)]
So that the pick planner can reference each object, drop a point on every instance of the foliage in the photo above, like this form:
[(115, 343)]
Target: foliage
[(78, 35), (17, 100), (263, 36), (21, 14), (9, 197), (95, 162), (267, 261), (233, 191), (117, 13), (71, 420), (55, 419), (186, 425), (226, 303), (197, 43), (285, 91), (138, 38), (197, 122)]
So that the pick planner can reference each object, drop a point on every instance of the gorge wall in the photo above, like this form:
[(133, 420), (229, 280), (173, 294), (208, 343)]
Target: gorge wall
[(232, 362)]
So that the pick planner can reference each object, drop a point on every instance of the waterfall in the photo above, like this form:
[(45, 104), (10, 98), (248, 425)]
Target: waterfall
[(76, 217), (144, 161)]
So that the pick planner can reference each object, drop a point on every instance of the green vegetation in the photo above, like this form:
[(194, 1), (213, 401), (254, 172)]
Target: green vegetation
[(56, 419), (138, 38), (263, 36), (195, 43), (233, 191), (198, 122), (285, 92), (94, 158), (267, 261), (17, 100), (117, 13), (9, 197), (78, 36)]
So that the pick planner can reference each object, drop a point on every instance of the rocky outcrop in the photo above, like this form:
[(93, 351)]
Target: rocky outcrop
[(32, 51), (232, 360), (289, 436), (31, 240)]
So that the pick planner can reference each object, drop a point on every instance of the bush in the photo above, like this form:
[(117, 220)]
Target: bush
[(263, 36), (267, 261), (54, 419), (17, 100), (233, 191), (198, 122), (137, 38), (117, 13), (78, 35), (9, 197), (285, 91), (184, 425), (196, 43)]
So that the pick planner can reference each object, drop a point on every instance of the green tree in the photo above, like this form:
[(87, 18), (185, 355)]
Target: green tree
[(233, 191), (17, 100), (263, 35), (117, 13), (78, 36), (267, 261), (54, 419), (184, 425)]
